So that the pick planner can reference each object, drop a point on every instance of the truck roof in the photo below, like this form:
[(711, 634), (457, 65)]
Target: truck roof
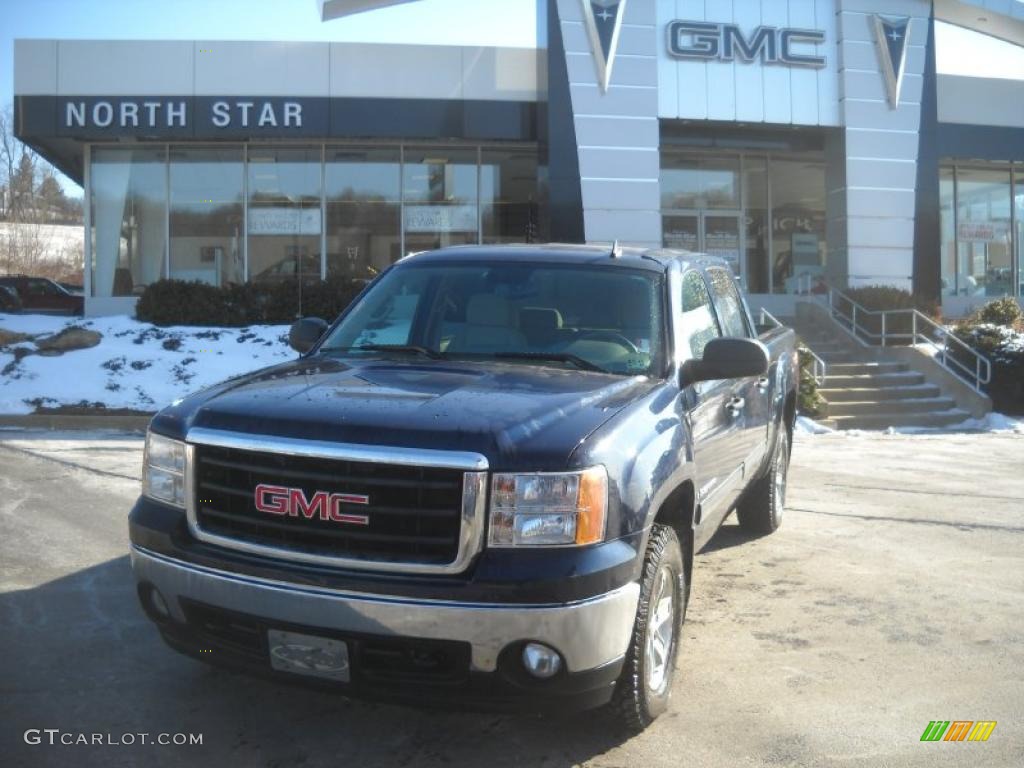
[(654, 259)]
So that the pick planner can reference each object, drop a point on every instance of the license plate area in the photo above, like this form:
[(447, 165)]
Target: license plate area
[(300, 654)]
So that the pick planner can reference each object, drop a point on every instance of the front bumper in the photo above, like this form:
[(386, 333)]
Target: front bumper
[(480, 640)]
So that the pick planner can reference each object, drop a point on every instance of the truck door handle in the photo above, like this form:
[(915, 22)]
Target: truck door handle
[(735, 406), (762, 383)]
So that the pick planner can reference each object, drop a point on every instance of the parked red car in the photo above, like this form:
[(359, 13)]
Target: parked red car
[(40, 294)]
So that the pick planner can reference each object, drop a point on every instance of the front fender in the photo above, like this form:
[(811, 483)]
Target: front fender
[(648, 453)]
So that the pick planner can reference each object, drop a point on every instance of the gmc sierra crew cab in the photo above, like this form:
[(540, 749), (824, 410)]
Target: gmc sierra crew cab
[(483, 485)]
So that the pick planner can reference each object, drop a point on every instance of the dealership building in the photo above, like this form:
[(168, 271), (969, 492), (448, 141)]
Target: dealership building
[(808, 142)]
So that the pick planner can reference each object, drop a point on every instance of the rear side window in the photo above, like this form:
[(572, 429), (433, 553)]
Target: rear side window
[(728, 303), (698, 321)]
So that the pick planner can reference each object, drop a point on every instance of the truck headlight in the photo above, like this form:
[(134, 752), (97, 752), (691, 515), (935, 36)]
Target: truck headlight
[(163, 470), (548, 508)]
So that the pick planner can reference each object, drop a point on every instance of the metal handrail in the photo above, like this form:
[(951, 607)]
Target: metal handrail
[(852, 322), (820, 369)]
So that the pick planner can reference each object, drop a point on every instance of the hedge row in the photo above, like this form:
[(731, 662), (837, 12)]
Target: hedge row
[(180, 302)]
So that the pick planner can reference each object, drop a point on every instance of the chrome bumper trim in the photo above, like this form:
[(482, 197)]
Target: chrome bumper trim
[(474, 495), (588, 633)]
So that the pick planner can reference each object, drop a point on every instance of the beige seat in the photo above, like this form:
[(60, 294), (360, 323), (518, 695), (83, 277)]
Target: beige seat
[(490, 327)]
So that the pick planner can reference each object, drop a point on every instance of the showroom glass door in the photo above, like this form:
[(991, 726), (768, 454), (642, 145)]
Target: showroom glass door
[(716, 233)]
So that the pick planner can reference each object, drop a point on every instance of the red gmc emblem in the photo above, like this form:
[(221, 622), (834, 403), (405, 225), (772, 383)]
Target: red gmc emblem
[(278, 500)]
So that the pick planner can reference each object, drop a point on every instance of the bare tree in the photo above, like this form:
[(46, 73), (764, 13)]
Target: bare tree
[(33, 199)]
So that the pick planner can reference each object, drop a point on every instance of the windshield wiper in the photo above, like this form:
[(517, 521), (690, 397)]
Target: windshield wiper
[(558, 357), (417, 350)]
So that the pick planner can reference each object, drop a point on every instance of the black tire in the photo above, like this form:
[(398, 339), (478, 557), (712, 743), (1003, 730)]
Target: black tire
[(645, 686), (760, 510)]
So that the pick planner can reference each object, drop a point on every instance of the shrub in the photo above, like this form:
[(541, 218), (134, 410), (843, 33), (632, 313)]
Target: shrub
[(808, 401), (177, 302), (1000, 312), (1004, 347)]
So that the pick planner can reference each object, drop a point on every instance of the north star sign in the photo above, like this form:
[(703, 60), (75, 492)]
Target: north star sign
[(171, 113), (709, 41)]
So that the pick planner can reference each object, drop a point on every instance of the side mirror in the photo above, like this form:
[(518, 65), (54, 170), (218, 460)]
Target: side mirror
[(726, 358), (305, 333)]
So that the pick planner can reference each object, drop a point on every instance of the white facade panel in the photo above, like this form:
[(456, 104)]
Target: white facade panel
[(778, 98), (396, 71), (868, 143), (749, 78), (751, 91), (269, 69), (878, 231), (35, 67), (129, 67), (606, 131), (981, 101), (505, 74)]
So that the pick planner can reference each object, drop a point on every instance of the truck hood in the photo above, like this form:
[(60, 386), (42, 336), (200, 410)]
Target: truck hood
[(518, 416)]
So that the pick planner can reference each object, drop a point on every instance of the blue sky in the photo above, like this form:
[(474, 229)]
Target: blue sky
[(454, 22)]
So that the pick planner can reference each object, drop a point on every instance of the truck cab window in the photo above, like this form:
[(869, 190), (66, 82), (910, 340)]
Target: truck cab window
[(728, 303), (698, 321)]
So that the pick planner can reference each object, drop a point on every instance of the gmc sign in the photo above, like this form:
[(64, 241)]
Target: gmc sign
[(279, 500), (707, 40)]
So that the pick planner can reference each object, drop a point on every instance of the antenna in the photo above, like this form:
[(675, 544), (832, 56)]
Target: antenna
[(616, 250)]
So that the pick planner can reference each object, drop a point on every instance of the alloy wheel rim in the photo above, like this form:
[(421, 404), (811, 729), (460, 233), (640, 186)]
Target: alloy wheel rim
[(660, 631)]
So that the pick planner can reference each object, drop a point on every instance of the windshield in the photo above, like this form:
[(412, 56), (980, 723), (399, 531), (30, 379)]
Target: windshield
[(598, 318)]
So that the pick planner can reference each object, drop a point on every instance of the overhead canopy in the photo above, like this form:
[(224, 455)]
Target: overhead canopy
[(335, 9)]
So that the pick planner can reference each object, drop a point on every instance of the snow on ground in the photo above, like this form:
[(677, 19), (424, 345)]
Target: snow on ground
[(807, 426), (136, 365), (996, 423)]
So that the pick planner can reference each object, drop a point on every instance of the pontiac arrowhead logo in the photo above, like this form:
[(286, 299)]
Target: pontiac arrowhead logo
[(604, 21), (891, 40)]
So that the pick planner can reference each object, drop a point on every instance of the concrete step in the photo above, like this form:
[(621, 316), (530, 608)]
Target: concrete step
[(886, 420), (900, 407), (878, 394), (873, 380), (866, 368)]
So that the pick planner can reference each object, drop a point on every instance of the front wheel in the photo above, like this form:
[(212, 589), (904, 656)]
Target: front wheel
[(761, 511), (642, 692)]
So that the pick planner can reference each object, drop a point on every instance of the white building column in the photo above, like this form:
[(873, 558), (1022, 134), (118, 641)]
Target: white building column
[(617, 131), (878, 191)]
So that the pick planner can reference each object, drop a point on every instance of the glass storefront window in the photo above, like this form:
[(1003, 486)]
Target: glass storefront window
[(439, 185), (798, 223), (206, 214), (984, 266), (763, 213), (692, 181), (266, 212), (364, 191), (508, 192), (284, 218), (128, 197)]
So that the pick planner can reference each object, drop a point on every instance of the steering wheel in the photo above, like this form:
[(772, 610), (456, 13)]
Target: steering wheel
[(612, 336)]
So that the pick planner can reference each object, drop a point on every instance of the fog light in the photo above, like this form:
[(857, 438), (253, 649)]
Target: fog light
[(541, 661), (159, 604), (154, 603)]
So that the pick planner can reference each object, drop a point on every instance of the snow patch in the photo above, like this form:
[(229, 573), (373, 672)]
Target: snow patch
[(137, 365), (806, 426)]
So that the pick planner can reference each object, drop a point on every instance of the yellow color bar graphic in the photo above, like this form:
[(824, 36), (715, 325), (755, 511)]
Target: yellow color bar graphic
[(982, 730)]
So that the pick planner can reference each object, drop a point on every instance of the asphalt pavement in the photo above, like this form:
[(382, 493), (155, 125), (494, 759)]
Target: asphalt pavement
[(892, 595)]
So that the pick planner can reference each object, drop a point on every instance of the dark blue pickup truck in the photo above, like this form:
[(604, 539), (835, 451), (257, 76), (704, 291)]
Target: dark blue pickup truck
[(483, 485)]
